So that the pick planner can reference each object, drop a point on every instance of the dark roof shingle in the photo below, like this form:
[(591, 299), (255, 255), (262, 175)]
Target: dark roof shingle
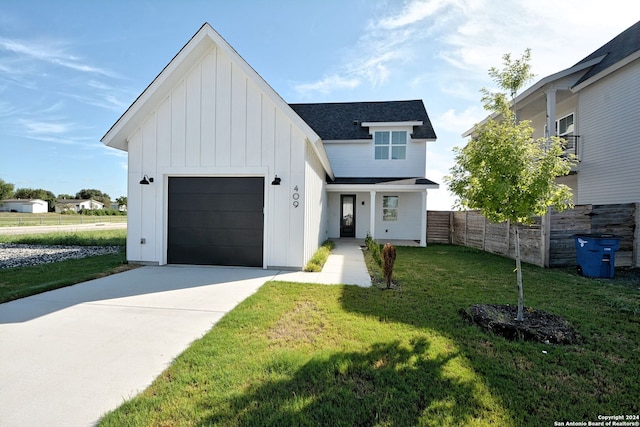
[(621, 46), (342, 120)]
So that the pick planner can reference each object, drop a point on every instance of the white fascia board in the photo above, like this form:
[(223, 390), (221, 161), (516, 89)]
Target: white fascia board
[(117, 135), (348, 141), (392, 124), (318, 148), (381, 188), (203, 40), (607, 71), (540, 84)]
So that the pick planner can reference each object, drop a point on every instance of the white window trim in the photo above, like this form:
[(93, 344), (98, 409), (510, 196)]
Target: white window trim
[(389, 210), (557, 125), (389, 145), (564, 117)]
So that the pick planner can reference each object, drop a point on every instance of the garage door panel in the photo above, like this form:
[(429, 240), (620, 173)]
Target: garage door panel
[(216, 202), (222, 185), (216, 221), (198, 219), (223, 237), (219, 255)]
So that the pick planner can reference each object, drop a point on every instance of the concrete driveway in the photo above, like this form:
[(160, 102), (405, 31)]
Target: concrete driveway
[(70, 355)]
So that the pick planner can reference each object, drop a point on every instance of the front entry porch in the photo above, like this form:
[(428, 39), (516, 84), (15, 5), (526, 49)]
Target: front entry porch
[(385, 210)]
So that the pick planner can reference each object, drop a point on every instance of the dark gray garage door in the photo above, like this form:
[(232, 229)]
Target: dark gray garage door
[(216, 221)]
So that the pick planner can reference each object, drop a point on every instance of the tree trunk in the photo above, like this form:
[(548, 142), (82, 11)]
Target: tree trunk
[(519, 276)]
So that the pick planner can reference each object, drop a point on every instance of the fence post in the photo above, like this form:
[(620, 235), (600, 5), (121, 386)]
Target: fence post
[(451, 230), (545, 238), (636, 237)]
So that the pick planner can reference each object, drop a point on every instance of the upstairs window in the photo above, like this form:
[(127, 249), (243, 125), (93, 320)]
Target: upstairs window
[(390, 145), (565, 125)]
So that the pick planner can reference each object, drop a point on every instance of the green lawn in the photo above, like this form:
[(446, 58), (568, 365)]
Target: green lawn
[(15, 219), (24, 281), (298, 354)]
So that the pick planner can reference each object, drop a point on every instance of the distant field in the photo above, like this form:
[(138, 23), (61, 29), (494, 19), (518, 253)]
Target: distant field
[(13, 219)]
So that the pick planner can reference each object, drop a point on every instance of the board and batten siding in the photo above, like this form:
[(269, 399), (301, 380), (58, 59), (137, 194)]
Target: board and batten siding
[(216, 121), (314, 201), (610, 138), (356, 159)]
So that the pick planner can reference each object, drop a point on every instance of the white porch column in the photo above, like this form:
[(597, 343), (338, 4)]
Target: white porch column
[(551, 113), (423, 222), (372, 215)]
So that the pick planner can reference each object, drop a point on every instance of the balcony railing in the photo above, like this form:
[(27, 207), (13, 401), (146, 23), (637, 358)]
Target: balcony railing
[(571, 145)]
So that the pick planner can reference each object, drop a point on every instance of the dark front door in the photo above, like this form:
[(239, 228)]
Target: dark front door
[(216, 221), (348, 216)]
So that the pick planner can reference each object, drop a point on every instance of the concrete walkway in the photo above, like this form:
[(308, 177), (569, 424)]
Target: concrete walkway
[(345, 265), (70, 355)]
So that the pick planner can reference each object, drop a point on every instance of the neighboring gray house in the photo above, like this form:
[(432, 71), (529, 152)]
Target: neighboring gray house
[(223, 171), (76, 205), (24, 206), (595, 106)]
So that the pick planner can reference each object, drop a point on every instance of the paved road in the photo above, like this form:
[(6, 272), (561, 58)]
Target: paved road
[(37, 229)]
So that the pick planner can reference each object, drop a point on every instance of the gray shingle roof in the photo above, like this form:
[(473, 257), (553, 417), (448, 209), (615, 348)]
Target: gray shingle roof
[(335, 121), (621, 46)]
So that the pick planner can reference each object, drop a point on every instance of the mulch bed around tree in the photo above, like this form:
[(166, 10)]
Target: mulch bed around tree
[(537, 325)]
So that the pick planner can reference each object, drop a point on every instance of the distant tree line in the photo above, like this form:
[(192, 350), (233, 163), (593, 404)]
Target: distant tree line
[(7, 191)]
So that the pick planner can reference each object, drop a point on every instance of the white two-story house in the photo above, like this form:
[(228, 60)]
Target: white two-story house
[(594, 105), (222, 171)]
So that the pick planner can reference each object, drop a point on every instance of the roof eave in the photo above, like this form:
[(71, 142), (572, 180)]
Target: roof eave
[(625, 61), (382, 188), (203, 40), (532, 90)]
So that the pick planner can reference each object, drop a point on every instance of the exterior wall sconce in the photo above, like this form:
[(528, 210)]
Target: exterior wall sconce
[(276, 181), (146, 180)]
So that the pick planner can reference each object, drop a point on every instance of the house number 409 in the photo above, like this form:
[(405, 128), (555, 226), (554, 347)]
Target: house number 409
[(295, 196)]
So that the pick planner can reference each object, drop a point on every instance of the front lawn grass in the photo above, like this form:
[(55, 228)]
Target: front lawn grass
[(25, 281), (298, 354), (116, 237)]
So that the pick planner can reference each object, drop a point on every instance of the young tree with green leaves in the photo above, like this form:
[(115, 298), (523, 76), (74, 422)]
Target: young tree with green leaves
[(503, 171)]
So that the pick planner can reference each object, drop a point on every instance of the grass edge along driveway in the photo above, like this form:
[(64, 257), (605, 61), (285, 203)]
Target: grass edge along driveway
[(297, 354), (22, 282)]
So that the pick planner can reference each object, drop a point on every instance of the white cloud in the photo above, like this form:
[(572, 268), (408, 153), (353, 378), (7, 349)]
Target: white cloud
[(386, 45), (37, 127), (51, 52), (328, 84), (459, 122), (558, 33), (414, 11)]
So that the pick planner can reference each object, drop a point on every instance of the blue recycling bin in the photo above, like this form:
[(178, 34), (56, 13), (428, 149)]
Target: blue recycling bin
[(596, 254)]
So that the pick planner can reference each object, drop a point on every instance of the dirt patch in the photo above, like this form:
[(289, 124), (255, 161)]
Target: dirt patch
[(301, 325), (538, 325)]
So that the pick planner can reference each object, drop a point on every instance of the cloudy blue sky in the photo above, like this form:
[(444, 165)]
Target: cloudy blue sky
[(69, 69)]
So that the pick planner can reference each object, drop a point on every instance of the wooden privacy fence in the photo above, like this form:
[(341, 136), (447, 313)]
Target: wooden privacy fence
[(549, 241)]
